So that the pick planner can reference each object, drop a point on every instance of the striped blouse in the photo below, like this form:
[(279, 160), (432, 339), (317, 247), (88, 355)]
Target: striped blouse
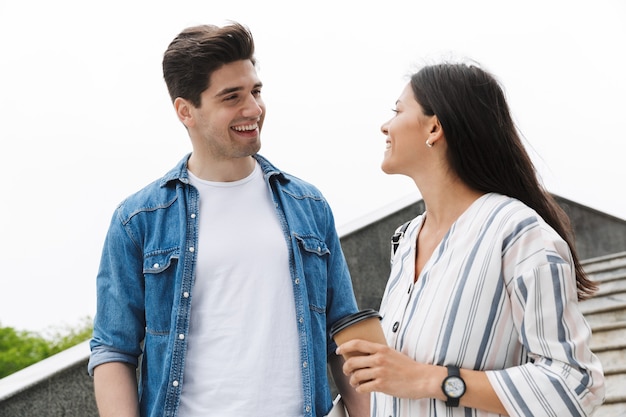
[(499, 295)]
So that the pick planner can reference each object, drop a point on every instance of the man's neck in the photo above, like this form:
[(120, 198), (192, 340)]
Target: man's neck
[(226, 170)]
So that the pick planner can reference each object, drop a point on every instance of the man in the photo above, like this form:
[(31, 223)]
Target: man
[(225, 275)]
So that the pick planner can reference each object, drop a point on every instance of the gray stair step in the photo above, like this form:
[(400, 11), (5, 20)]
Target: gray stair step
[(607, 275), (611, 410), (608, 340), (615, 389), (613, 361), (616, 301), (615, 261), (601, 320), (612, 286)]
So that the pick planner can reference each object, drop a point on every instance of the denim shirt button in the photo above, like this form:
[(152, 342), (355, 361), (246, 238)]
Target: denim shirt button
[(191, 249), (175, 383), (297, 281), (186, 294), (155, 266), (308, 408), (301, 320), (181, 336), (193, 215), (305, 364)]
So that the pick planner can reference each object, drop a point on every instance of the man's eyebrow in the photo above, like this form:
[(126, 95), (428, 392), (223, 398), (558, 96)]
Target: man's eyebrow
[(227, 91), (231, 90)]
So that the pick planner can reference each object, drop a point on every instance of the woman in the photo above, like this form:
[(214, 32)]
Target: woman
[(484, 287)]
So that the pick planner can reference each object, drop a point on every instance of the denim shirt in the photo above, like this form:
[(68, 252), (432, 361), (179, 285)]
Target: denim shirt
[(146, 275)]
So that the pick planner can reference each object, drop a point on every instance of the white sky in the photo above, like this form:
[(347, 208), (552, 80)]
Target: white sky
[(85, 118)]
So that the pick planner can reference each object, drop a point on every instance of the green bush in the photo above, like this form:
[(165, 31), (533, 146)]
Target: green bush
[(19, 349)]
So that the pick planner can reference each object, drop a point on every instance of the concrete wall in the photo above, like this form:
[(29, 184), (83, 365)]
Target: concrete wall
[(59, 386), (68, 393), (597, 234), (368, 249), (55, 387)]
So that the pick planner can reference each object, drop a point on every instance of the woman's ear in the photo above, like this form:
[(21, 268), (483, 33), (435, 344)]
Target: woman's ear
[(436, 130), (184, 111)]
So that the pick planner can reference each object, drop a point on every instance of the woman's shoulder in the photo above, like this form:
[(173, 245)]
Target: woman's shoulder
[(511, 216), (506, 207), (519, 225)]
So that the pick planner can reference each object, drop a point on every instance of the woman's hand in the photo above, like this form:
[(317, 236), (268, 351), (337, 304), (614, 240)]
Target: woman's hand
[(383, 369)]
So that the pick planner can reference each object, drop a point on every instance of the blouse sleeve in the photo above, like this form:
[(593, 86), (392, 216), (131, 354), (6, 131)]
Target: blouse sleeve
[(563, 376)]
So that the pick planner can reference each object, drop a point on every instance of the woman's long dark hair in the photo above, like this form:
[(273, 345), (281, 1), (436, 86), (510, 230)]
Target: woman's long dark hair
[(484, 146)]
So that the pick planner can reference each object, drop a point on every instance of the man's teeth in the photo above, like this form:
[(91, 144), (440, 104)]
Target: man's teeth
[(245, 128)]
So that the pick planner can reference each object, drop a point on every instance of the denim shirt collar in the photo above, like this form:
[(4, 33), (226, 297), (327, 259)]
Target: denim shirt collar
[(181, 173)]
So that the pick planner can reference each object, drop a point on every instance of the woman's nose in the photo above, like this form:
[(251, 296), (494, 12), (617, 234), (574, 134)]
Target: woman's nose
[(384, 128)]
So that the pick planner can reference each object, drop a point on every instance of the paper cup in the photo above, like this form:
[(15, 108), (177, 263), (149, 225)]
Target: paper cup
[(364, 324)]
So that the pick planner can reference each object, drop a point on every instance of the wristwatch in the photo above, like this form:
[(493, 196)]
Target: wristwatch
[(453, 386)]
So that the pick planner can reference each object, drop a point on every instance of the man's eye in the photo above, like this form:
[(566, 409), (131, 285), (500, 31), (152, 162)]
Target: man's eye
[(256, 93), (396, 111)]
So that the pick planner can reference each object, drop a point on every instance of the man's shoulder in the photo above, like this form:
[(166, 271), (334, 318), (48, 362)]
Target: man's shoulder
[(287, 181), (157, 194), (296, 182)]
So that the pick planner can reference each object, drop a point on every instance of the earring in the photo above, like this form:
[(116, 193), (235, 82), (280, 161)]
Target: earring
[(430, 145)]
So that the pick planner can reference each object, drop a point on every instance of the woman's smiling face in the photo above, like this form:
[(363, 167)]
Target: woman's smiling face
[(406, 134)]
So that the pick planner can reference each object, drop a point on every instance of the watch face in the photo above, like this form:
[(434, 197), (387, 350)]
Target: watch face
[(454, 387)]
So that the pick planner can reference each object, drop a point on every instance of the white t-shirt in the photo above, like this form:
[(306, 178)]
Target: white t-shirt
[(243, 352)]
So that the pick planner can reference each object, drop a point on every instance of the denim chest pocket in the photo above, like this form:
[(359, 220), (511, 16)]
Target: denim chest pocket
[(159, 270), (313, 244), (314, 255)]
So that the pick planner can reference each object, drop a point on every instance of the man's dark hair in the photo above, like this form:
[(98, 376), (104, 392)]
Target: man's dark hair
[(197, 52)]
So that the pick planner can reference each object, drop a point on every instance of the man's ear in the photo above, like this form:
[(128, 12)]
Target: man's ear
[(184, 111)]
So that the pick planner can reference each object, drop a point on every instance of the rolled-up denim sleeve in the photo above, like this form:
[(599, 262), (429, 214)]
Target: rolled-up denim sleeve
[(101, 354)]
